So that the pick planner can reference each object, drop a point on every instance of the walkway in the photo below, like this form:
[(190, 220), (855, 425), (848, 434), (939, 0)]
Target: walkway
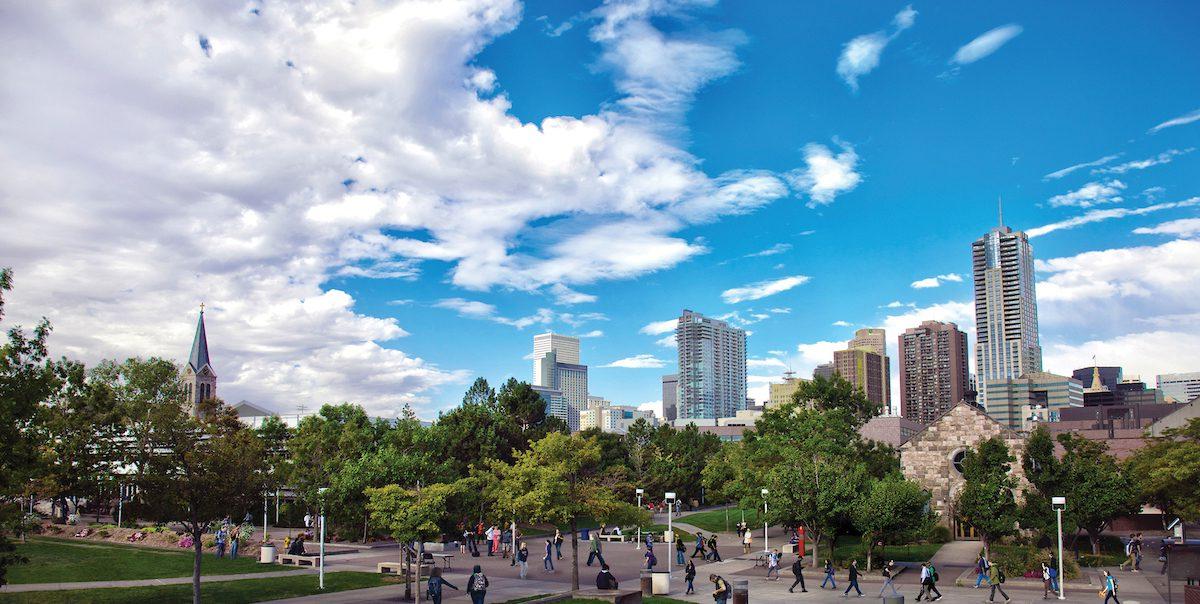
[(24, 587)]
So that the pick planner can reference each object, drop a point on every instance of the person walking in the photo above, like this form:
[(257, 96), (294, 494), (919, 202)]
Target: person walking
[(853, 580), (933, 581), (1110, 588), (996, 578), (548, 561), (506, 546), (720, 589), (235, 539), (699, 551), (747, 538), (713, 554), (465, 545), (493, 536), (889, 571), (829, 575), (558, 541), (651, 559), (773, 565), (680, 549), (1130, 554), (798, 572), (522, 558), (477, 585), (1045, 581), (594, 553), (433, 589), (981, 569), (1137, 553), (605, 579), (220, 541), (1053, 572), (689, 575)]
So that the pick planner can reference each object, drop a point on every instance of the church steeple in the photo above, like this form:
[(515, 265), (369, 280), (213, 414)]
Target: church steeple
[(199, 357), (199, 378)]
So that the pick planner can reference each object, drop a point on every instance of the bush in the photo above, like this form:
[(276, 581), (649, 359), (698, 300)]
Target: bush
[(940, 534), (1017, 560), (103, 534), (208, 543)]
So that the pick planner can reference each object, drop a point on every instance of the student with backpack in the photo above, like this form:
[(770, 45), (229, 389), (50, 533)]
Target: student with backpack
[(689, 575), (1110, 588), (773, 565), (829, 575), (981, 570), (720, 589), (929, 579), (699, 551), (477, 585), (996, 577), (594, 552), (680, 550), (651, 559), (434, 588), (713, 554), (798, 572), (548, 560), (853, 580), (1053, 572), (889, 569), (1130, 554)]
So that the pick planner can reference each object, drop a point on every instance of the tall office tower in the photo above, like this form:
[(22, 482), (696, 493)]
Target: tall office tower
[(933, 370), (873, 339), (1181, 387), (864, 369), (712, 367), (824, 370), (1006, 324), (670, 396), (557, 370)]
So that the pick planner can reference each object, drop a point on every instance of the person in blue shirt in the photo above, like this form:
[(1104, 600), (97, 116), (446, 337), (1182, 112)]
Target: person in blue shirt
[(548, 561), (1110, 588), (434, 587)]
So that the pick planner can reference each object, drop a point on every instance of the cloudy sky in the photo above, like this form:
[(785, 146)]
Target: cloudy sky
[(379, 201)]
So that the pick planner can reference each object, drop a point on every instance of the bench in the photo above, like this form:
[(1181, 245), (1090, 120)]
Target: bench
[(616, 596), (445, 558), (396, 568), (612, 537), (298, 560)]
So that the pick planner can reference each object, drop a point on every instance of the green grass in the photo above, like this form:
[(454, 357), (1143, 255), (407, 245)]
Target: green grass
[(714, 520), (58, 560), (659, 529), (851, 547), (227, 592), (526, 598)]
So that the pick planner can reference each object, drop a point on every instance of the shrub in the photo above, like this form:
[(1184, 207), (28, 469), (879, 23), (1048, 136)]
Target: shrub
[(208, 543), (940, 534), (103, 534)]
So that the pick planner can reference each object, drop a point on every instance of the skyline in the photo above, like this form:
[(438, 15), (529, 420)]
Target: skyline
[(378, 209)]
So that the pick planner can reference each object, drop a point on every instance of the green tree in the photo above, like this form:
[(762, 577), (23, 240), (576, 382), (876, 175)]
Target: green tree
[(558, 481), (202, 469), (1095, 486), (1167, 472), (893, 510), (987, 501), (480, 393), (413, 515), (836, 393)]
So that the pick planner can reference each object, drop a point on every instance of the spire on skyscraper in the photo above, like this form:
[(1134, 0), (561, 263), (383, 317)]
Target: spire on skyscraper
[(1000, 208)]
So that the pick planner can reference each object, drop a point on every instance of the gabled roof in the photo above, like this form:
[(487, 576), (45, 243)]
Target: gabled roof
[(198, 359), (974, 408), (248, 409)]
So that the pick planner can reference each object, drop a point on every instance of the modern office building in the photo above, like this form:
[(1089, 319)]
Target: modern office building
[(557, 372), (1097, 392), (874, 340), (824, 370), (1180, 387), (867, 370), (1006, 324), (670, 396), (1043, 393), (712, 367), (933, 370), (613, 418), (783, 392), (1109, 376)]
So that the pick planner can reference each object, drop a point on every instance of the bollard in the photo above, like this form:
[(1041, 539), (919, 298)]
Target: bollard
[(893, 599), (647, 578), (741, 591)]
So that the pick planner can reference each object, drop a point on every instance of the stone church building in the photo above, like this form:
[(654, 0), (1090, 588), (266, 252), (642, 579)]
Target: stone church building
[(933, 457), (199, 378)]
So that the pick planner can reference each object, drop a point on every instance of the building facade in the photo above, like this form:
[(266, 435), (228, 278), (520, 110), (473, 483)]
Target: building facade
[(670, 396), (1109, 376), (565, 348), (613, 418), (824, 370), (1010, 399), (712, 367), (867, 370), (933, 370), (1181, 387), (1006, 323), (199, 378), (782, 393), (559, 377)]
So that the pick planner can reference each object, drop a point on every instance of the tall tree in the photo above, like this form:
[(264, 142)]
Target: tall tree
[(326, 452), (1167, 472), (893, 510), (558, 481), (836, 393), (480, 393), (414, 514), (202, 470), (1094, 484), (987, 501)]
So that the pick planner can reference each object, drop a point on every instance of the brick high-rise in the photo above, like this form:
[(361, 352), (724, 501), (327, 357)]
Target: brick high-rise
[(934, 375)]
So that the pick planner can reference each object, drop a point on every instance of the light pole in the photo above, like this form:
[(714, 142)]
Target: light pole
[(764, 494), (1060, 504), (638, 545), (321, 572), (670, 532)]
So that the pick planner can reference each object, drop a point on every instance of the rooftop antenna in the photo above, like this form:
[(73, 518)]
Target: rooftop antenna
[(1000, 207)]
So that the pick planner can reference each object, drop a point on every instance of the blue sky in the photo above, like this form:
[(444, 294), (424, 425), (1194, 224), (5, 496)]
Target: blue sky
[(378, 209)]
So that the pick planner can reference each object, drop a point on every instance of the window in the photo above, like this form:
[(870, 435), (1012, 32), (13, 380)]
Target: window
[(957, 460)]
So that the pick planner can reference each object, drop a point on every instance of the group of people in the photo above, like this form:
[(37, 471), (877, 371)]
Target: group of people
[(706, 549), (477, 585), (227, 534)]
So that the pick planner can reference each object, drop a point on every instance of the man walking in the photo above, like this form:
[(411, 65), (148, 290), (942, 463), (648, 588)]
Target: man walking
[(996, 577), (548, 560), (853, 579), (713, 554), (889, 569), (1137, 553), (522, 557), (595, 554), (981, 569), (1130, 554), (699, 551), (721, 589), (773, 565), (798, 572), (680, 549)]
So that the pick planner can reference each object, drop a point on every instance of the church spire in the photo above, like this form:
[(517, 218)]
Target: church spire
[(199, 357)]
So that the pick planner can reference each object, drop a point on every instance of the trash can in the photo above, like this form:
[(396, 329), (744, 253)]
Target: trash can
[(896, 599), (661, 583), (741, 591), (266, 554), (647, 578)]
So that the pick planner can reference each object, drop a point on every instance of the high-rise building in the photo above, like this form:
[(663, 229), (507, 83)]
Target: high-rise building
[(557, 370), (873, 339), (199, 378), (1036, 392), (824, 370), (783, 393), (670, 396), (1006, 323), (712, 367), (1109, 376), (1181, 387), (866, 370), (933, 370)]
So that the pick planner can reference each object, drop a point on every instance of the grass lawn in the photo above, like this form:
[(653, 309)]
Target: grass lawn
[(58, 560), (659, 529), (851, 546), (715, 520), (227, 592)]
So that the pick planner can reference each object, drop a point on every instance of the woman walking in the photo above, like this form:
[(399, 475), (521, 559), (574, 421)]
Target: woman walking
[(680, 549), (829, 575), (477, 585), (558, 541), (522, 558), (1110, 588), (434, 587), (651, 559), (689, 575), (852, 580), (746, 539), (548, 561), (773, 565)]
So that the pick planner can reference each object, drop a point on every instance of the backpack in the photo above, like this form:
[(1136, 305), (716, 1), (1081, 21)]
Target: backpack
[(933, 574), (1000, 575), (478, 583), (434, 588)]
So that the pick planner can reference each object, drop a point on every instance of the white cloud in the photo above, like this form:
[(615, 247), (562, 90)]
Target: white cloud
[(641, 361), (1108, 214), (778, 248), (986, 44), (474, 309), (936, 281), (468, 308), (861, 55), (840, 323), (655, 407), (595, 333), (762, 363), (667, 341), (897, 304), (826, 175), (1162, 158), (780, 311), (1144, 354), (806, 233), (566, 296), (1069, 169), (762, 289), (1091, 194), (1182, 120), (656, 328), (1184, 227)]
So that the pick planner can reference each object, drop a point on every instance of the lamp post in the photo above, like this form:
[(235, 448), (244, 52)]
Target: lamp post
[(321, 572), (670, 531), (638, 545), (764, 494), (1060, 504)]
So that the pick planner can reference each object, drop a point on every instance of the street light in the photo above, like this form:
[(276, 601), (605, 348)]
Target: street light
[(1060, 504), (670, 532), (638, 545), (321, 572), (764, 494)]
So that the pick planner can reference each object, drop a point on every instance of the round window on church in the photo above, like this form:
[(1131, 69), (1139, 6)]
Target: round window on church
[(957, 460)]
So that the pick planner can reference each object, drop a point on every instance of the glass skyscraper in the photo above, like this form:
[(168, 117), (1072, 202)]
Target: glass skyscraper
[(712, 367)]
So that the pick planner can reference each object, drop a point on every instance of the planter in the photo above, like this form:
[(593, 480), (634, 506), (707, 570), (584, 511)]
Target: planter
[(266, 554)]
